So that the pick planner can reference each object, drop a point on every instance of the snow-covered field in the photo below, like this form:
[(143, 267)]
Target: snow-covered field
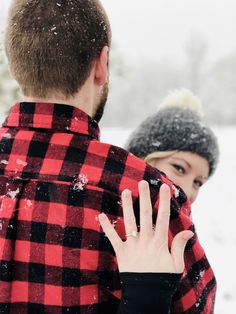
[(214, 214)]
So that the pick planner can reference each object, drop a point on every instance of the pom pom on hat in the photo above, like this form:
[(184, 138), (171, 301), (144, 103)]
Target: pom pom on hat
[(182, 98)]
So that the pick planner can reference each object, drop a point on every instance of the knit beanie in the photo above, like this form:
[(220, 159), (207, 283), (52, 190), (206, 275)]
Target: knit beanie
[(178, 125)]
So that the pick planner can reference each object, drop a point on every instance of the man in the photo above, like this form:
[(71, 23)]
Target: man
[(56, 177)]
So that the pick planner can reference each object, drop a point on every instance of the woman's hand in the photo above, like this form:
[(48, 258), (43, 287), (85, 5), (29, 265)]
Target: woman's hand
[(147, 250)]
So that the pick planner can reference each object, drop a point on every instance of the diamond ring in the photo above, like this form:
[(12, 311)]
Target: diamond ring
[(132, 234)]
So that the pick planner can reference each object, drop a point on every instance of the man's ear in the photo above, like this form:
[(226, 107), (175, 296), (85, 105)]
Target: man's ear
[(101, 67)]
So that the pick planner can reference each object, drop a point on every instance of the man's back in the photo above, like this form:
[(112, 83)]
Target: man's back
[(56, 177)]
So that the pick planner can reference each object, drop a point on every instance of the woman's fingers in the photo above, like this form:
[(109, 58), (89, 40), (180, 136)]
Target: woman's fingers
[(110, 232), (146, 223), (149, 252), (177, 249), (128, 212), (163, 217)]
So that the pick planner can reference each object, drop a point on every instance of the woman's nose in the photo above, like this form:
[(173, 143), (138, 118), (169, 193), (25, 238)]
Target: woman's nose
[(189, 190)]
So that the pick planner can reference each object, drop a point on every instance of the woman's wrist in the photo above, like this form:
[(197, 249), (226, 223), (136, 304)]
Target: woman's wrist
[(162, 281), (147, 293)]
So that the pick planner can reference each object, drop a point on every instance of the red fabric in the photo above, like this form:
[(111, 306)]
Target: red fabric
[(56, 177)]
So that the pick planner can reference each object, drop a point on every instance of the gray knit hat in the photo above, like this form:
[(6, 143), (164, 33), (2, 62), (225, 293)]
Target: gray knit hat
[(178, 125)]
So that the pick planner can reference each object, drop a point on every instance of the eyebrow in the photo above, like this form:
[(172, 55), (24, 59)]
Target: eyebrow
[(204, 178), (182, 159)]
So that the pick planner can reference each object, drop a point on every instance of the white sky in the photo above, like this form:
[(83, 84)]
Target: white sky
[(159, 28)]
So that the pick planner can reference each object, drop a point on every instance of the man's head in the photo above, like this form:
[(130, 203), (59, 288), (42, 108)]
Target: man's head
[(52, 46)]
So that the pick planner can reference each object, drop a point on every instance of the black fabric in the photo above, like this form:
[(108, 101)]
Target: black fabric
[(147, 293)]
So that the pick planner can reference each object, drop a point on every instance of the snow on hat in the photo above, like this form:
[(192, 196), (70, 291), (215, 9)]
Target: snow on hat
[(178, 125)]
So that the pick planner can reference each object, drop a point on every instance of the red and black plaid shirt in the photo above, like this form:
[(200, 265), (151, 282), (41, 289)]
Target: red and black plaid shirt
[(56, 177)]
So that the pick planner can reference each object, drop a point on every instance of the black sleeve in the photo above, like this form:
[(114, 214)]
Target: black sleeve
[(147, 293)]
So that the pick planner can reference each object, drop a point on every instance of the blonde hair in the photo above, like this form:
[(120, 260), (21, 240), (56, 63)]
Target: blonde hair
[(151, 158)]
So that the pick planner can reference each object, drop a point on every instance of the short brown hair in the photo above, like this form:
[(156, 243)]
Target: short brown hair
[(52, 45)]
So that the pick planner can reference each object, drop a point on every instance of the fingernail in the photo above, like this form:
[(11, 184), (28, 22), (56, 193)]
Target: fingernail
[(165, 187), (188, 235), (143, 184), (102, 216), (126, 193)]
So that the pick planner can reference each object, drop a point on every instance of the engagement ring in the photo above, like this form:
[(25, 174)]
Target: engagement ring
[(132, 234)]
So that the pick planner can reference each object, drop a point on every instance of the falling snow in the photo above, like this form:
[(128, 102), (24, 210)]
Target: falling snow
[(21, 162), (80, 183), (29, 203), (176, 190), (7, 135), (13, 194), (155, 182), (4, 162), (157, 144)]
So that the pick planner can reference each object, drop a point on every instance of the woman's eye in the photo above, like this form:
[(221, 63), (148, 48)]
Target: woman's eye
[(180, 169), (198, 183)]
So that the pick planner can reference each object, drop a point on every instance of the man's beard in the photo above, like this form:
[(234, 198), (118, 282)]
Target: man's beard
[(102, 102)]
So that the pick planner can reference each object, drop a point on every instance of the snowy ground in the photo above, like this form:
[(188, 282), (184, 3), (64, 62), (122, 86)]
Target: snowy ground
[(214, 214)]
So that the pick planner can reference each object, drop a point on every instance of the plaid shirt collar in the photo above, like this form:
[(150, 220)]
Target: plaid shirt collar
[(54, 117)]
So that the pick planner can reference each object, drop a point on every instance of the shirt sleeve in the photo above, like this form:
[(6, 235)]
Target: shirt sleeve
[(147, 293)]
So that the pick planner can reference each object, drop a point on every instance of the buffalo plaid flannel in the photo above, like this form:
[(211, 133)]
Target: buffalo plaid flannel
[(56, 177)]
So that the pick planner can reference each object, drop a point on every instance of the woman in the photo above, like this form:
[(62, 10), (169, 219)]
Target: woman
[(176, 141)]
